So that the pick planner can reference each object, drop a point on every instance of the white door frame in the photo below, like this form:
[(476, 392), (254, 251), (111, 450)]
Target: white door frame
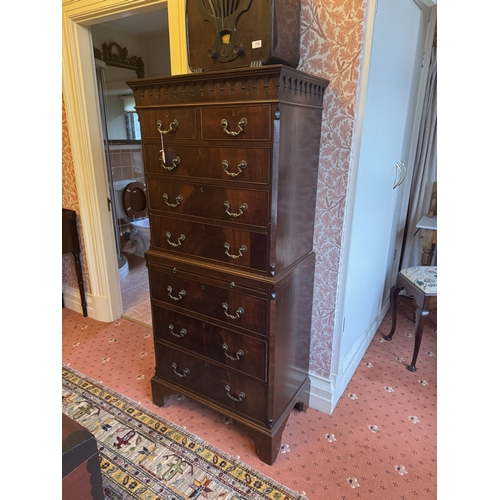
[(86, 137)]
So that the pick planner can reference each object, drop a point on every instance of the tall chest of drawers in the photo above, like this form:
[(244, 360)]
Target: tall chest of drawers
[(231, 160)]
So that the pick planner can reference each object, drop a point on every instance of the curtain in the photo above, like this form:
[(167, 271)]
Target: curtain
[(424, 172)]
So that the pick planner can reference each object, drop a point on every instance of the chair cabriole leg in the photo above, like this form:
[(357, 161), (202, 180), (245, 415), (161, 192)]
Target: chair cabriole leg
[(420, 318), (394, 296)]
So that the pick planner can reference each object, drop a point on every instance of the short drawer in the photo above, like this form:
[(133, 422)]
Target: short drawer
[(239, 352), (235, 247), (176, 123), (229, 164), (241, 123), (245, 206), (234, 308), (224, 386)]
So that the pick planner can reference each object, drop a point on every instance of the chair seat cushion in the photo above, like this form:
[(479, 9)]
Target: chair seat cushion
[(423, 277)]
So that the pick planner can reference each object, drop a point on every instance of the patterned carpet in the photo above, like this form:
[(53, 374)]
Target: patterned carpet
[(379, 443), (143, 456)]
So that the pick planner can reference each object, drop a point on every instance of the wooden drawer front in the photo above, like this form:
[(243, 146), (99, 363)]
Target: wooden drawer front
[(185, 128), (238, 310), (228, 164), (244, 248), (212, 381), (243, 123), (232, 205), (239, 352)]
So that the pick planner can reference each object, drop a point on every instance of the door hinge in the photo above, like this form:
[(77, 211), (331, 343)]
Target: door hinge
[(109, 204)]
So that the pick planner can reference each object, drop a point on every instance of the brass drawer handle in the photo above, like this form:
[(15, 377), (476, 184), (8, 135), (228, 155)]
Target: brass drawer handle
[(241, 166), (239, 354), (185, 373), (182, 333), (242, 209), (175, 161), (242, 123), (241, 251), (181, 294), (180, 239), (178, 199), (239, 311), (172, 128), (238, 398)]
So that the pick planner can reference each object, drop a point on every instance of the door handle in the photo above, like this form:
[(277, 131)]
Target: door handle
[(401, 172), (396, 184)]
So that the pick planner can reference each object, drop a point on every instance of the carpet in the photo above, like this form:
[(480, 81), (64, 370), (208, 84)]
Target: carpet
[(143, 456)]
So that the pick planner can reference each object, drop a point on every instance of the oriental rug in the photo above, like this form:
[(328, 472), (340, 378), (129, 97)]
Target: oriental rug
[(143, 456)]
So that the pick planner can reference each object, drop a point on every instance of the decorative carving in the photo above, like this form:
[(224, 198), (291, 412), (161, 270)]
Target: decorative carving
[(274, 82), (114, 55)]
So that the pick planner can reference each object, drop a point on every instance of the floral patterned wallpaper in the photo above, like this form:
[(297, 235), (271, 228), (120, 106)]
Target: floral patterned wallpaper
[(331, 44), (70, 201)]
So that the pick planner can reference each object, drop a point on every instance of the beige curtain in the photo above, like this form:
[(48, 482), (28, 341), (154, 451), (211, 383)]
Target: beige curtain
[(424, 172)]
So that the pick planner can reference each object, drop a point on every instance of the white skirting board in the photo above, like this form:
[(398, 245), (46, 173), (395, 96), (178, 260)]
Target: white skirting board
[(72, 300), (325, 393), (98, 308)]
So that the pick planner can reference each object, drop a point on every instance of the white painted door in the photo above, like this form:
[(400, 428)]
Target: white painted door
[(395, 64)]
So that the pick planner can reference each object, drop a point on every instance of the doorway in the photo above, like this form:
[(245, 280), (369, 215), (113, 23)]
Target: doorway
[(141, 42), (86, 137)]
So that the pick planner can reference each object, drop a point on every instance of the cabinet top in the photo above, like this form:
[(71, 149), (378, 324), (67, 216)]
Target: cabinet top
[(273, 83)]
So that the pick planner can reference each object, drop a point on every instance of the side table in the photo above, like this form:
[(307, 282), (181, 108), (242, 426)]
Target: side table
[(70, 243)]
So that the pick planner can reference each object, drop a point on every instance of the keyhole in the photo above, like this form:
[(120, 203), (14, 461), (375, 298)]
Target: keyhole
[(233, 112)]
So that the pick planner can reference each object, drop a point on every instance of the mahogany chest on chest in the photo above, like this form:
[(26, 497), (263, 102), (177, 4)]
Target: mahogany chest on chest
[(231, 160)]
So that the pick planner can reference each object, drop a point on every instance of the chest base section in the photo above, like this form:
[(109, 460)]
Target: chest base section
[(267, 441), (235, 342)]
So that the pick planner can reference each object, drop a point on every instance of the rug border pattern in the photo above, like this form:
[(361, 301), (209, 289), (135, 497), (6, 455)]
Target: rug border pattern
[(211, 455)]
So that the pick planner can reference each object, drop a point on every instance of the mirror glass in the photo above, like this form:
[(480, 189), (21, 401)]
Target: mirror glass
[(122, 120)]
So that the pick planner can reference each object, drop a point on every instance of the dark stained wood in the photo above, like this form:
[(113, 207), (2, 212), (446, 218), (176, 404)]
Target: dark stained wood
[(244, 353), (423, 303), (231, 288), (204, 163), (247, 123), (81, 473), (241, 206), (71, 243), (189, 293), (213, 241), (275, 24)]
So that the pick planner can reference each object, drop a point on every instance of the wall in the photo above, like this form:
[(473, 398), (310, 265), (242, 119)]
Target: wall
[(331, 43), (70, 201)]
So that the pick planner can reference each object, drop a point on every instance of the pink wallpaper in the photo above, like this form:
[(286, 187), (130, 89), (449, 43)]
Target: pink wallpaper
[(70, 201), (331, 42)]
